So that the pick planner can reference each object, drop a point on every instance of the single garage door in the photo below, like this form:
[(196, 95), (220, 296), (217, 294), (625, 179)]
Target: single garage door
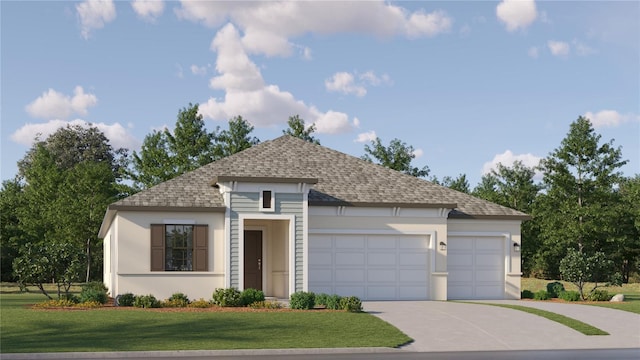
[(372, 267), (476, 268)]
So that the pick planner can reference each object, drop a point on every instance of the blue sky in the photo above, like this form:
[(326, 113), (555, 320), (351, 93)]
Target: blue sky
[(468, 84)]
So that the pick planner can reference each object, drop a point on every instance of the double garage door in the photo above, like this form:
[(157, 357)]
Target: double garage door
[(372, 267), (386, 267)]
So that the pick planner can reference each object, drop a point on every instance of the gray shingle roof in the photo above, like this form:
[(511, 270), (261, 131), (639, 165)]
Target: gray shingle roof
[(340, 179)]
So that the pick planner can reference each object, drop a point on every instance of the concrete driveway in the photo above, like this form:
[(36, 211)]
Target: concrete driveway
[(454, 326)]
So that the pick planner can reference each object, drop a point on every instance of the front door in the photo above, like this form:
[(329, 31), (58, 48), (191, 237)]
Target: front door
[(253, 259)]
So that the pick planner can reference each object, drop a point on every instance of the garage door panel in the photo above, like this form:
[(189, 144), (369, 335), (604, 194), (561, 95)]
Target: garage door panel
[(489, 276), (488, 244), (351, 258), (372, 267), (455, 276), (488, 259), (321, 242), (475, 268), (489, 291), (460, 244), (464, 259)]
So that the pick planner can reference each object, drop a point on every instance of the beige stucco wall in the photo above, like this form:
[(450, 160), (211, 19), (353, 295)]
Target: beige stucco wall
[(510, 229), (132, 256)]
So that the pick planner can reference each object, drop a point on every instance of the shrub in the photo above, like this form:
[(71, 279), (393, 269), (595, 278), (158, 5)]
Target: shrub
[(541, 295), (265, 305), (94, 291), (569, 295), (526, 294), (321, 299), (351, 304), (177, 300), (125, 299), (249, 296), (146, 301), (229, 297), (555, 288), (55, 303), (302, 300), (599, 295), (331, 302), (200, 303), (89, 304)]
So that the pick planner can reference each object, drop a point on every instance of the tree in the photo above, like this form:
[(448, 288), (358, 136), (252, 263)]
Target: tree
[(624, 246), (165, 155), (298, 129), (236, 138), (397, 156), (579, 268), (459, 184), (577, 208), (58, 262), (11, 199)]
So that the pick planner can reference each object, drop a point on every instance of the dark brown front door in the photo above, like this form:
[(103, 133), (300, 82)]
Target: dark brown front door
[(253, 259)]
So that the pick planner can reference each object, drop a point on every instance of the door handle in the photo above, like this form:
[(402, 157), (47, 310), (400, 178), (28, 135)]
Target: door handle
[(259, 264)]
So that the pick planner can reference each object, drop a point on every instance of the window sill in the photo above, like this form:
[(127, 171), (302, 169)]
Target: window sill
[(173, 273)]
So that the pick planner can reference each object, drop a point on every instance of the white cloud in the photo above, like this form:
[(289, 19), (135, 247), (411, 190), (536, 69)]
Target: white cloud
[(516, 14), (52, 104), (418, 153), (533, 52), (199, 70), (148, 10), (559, 48), (507, 158), (610, 118), (247, 94), (366, 137), (344, 82), (118, 135), (268, 26), (94, 14)]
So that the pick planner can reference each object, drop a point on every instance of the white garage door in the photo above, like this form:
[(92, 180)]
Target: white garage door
[(371, 267), (476, 268)]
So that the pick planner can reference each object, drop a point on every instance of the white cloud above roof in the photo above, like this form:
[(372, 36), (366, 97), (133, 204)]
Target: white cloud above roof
[(52, 104), (94, 14), (148, 10), (118, 135), (366, 137), (507, 158), (559, 48), (610, 118), (517, 14)]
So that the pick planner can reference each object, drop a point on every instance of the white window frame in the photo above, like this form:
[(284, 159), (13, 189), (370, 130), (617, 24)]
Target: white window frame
[(272, 207)]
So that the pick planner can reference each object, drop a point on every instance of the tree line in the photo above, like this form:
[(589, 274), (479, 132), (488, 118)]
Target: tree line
[(65, 182)]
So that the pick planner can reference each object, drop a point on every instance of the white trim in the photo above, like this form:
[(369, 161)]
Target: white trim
[(227, 240), (369, 231), (178, 221), (305, 237)]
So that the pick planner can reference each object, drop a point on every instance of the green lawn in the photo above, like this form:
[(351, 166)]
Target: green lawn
[(29, 330), (631, 293)]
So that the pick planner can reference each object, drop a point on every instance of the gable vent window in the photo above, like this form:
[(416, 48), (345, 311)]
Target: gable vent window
[(266, 200)]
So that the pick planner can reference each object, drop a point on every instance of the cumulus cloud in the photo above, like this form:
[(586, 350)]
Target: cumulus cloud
[(52, 104), (418, 153), (610, 118), (268, 26), (118, 135), (559, 48), (199, 70), (507, 158), (94, 14), (247, 94), (366, 137), (348, 83), (148, 10), (517, 14)]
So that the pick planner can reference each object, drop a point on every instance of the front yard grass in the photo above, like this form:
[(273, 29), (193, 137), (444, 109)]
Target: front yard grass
[(107, 329), (631, 293)]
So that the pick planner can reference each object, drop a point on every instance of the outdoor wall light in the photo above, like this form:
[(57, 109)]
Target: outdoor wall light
[(516, 247), (443, 246)]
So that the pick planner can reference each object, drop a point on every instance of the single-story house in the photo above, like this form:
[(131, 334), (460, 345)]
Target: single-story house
[(288, 215)]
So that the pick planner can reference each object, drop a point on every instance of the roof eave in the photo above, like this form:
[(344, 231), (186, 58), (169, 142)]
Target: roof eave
[(383, 204), (263, 179)]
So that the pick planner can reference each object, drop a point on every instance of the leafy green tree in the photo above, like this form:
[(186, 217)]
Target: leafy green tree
[(298, 129), (488, 188), (624, 242), (236, 138), (459, 184), (57, 262), (577, 208), (397, 156), (11, 199), (153, 164), (190, 144), (580, 268)]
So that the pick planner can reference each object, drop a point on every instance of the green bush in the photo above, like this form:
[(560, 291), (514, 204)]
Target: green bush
[(541, 295), (555, 288), (351, 304), (599, 295), (331, 302), (125, 299), (265, 305), (146, 301), (229, 297), (526, 294), (94, 291), (177, 300), (200, 303), (321, 299), (569, 295), (249, 296), (302, 300)]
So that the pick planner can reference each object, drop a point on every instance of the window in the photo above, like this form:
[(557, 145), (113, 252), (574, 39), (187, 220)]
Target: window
[(266, 200), (179, 247)]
